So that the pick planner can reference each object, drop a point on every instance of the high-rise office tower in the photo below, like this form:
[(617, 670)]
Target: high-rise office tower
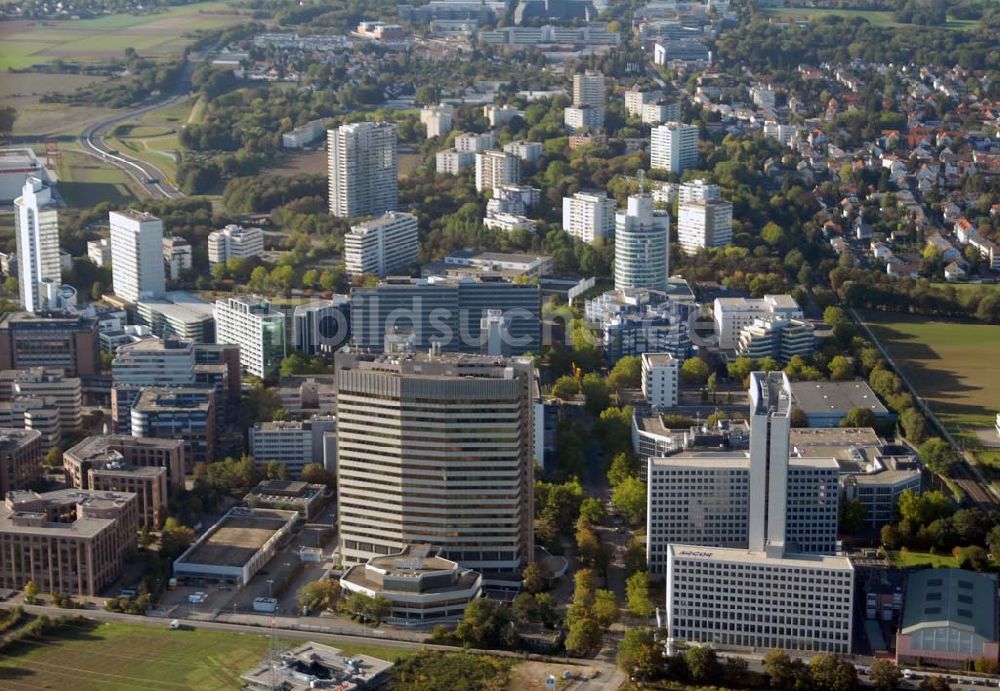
[(249, 321), (703, 219), (363, 169), (589, 216), (642, 245), (436, 449), (37, 224), (673, 147), (137, 255), (589, 90)]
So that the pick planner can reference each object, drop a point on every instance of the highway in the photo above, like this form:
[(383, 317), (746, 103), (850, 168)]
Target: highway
[(147, 175)]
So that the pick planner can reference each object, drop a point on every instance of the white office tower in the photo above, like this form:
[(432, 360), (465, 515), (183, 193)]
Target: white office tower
[(642, 245), (137, 270), (249, 322), (234, 242), (495, 168), (659, 379), (37, 224), (382, 245), (589, 216), (767, 596), (363, 169), (673, 147), (703, 219), (589, 90), (436, 449)]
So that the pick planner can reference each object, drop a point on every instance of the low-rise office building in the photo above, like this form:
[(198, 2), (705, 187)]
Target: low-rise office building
[(20, 458), (731, 315), (50, 339), (826, 403), (234, 242), (259, 331), (148, 483), (316, 666), (37, 413), (68, 541), (770, 336), (421, 586), (660, 379), (119, 449), (288, 495), (293, 444), (186, 413), (178, 314), (47, 382)]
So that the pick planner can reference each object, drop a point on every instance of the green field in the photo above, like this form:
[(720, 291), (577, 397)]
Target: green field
[(24, 43), (873, 17), (955, 366), (84, 181), (113, 656), (906, 558)]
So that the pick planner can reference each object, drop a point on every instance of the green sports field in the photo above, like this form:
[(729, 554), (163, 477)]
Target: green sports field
[(874, 17)]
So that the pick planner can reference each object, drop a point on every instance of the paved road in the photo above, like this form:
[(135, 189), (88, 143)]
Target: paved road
[(147, 175)]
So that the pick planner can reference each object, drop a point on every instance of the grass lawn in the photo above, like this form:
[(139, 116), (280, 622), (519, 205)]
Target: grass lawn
[(114, 656), (84, 181), (906, 558), (153, 136), (874, 17)]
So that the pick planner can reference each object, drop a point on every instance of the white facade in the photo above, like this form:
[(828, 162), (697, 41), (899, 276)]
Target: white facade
[(635, 100), (293, 444), (501, 115), (589, 89), (776, 337), (529, 152), (234, 242), (37, 227), (763, 96), (470, 142), (496, 168), (783, 133), (673, 147), (453, 161), (437, 119), (703, 219), (250, 322), (642, 245), (507, 222), (99, 251), (583, 118), (176, 256), (657, 113), (733, 314), (363, 169), (589, 216), (383, 245), (137, 255), (659, 379)]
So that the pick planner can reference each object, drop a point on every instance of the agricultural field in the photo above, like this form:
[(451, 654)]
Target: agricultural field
[(27, 42), (955, 366), (84, 181), (881, 18), (115, 657)]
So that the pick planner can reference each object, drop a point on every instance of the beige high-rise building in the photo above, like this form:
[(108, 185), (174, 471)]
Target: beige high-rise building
[(363, 169), (436, 449)]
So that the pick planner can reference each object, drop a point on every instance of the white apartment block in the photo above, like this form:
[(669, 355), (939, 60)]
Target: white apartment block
[(453, 161), (589, 216), (740, 599), (234, 242), (99, 251), (363, 169), (507, 222), (659, 379), (733, 314), (642, 245), (250, 322), (673, 147), (382, 245), (470, 142), (136, 255), (783, 133), (176, 256), (436, 449), (438, 120), (529, 152), (496, 168), (762, 96), (501, 115), (36, 223), (658, 113), (776, 337), (589, 89), (703, 219), (635, 99), (583, 118)]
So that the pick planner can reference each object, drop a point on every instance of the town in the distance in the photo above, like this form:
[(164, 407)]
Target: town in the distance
[(499, 345)]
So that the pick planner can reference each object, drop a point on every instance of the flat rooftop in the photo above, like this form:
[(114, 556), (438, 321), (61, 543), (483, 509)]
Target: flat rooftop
[(835, 397), (180, 306), (15, 160), (136, 215), (746, 556), (702, 461), (237, 537)]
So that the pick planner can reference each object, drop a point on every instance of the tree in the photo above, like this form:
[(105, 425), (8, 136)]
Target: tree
[(318, 595), (993, 540), (798, 417), (487, 623), (885, 675), (637, 595), (30, 592), (740, 368), (622, 467), (316, 474), (566, 388), (841, 368), (772, 234), (703, 664), (588, 545), (627, 373), (595, 393), (584, 635), (605, 608), (53, 457), (934, 684), (938, 455), (635, 557), (175, 537), (834, 316), (768, 364), (525, 608), (853, 515), (924, 509), (8, 116), (914, 425), (694, 371), (274, 470), (534, 578), (630, 497), (830, 672), (858, 417), (592, 510), (639, 654), (780, 669)]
